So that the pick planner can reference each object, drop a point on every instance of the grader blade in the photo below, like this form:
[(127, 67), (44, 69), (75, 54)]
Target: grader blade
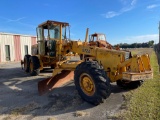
[(54, 82)]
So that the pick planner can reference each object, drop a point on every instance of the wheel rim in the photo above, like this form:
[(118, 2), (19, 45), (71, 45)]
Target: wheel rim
[(87, 84)]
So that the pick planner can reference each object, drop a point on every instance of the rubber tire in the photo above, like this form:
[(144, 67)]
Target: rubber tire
[(130, 85), (101, 81), (26, 61), (121, 84), (36, 66)]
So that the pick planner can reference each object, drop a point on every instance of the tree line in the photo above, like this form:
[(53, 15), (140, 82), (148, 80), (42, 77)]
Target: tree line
[(136, 45)]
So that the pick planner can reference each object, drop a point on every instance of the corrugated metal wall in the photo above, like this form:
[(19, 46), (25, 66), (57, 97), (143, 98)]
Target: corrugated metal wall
[(25, 40), (17, 47), (17, 44), (34, 40), (7, 40)]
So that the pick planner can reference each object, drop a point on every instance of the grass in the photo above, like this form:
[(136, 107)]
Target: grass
[(144, 103)]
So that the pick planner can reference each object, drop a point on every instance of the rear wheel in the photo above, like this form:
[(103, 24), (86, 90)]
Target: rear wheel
[(91, 82), (34, 66), (26, 63)]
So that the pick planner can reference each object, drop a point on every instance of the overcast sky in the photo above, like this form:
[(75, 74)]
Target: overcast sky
[(123, 21)]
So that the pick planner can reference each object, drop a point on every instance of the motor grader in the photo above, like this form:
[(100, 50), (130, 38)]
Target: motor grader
[(99, 65)]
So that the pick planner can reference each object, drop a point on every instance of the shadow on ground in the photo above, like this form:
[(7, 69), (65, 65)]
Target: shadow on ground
[(19, 95)]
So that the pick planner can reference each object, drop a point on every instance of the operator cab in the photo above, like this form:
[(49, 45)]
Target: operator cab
[(52, 30), (49, 34), (99, 40), (97, 36)]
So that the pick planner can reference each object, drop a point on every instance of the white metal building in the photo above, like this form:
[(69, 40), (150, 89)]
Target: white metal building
[(13, 47)]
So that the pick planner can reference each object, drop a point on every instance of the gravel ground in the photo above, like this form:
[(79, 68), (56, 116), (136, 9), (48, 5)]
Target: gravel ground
[(19, 99)]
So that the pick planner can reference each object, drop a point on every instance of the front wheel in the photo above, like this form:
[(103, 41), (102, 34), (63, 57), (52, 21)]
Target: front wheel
[(91, 83)]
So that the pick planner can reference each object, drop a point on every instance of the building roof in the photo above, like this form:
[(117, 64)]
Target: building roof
[(4, 33)]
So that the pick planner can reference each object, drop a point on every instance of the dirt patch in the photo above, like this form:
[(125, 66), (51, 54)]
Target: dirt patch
[(63, 102), (25, 109), (141, 51), (81, 113)]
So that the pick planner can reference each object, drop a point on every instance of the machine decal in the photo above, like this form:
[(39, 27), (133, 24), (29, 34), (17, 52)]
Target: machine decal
[(86, 50)]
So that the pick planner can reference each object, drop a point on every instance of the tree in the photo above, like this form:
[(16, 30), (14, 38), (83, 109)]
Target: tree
[(151, 43), (137, 45)]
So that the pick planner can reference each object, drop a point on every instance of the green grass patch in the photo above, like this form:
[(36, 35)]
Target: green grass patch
[(144, 103)]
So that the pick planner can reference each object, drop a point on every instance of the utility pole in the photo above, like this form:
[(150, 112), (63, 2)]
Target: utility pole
[(159, 35), (159, 48)]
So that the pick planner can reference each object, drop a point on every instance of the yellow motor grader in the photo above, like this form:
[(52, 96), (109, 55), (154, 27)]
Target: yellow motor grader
[(99, 65)]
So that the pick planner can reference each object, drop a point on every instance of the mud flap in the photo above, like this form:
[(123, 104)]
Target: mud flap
[(54, 82)]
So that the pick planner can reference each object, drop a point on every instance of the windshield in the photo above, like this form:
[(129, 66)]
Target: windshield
[(93, 38), (66, 32), (54, 32), (101, 37)]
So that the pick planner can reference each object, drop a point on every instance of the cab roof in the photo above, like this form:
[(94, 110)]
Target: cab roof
[(46, 23), (95, 34)]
